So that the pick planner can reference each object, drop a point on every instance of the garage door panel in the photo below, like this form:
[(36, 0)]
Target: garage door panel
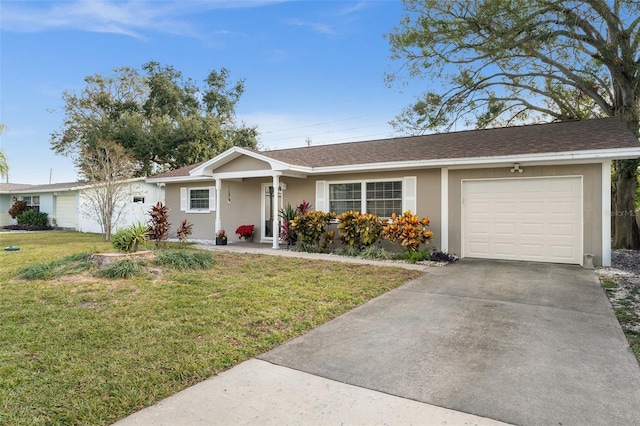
[(526, 219)]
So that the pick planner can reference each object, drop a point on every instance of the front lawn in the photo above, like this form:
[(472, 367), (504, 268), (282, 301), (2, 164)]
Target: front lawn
[(85, 350)]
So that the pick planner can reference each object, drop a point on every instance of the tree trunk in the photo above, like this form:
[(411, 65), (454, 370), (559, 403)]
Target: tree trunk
[(625, 226)]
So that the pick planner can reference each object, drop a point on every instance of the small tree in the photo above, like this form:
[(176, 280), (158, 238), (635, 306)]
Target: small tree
[(109, 169)]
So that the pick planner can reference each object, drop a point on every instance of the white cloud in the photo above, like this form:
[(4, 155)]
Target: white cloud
[(131, 18)]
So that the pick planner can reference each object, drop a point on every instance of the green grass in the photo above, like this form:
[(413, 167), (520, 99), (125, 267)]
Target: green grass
[(78, 349)]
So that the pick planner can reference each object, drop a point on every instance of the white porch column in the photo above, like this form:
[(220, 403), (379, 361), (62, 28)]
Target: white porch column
[(606, 213), (218, 192), (275, 225), (444, 209)]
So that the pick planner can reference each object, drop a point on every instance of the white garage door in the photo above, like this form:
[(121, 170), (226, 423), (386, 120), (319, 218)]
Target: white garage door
[(534, 219), (66, 211)]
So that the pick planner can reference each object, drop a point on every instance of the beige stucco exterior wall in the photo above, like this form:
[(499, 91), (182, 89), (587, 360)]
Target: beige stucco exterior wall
[(243, 164), (592, 200), (241, 201)]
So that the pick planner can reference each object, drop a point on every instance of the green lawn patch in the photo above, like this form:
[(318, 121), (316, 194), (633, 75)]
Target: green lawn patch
[(81, 349)]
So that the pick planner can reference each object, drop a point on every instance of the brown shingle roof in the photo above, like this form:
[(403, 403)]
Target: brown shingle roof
[(567, 136), (605, 133)]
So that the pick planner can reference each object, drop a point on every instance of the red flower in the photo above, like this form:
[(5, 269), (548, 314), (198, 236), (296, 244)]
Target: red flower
[(245, 231)]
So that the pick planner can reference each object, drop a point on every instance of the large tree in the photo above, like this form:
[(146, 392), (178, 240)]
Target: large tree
[(504, 62), (161, 119), (4, 163)]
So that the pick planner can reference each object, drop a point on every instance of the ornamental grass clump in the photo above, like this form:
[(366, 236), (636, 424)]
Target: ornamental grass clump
[(125, 268), (408, 231), (184, 260)]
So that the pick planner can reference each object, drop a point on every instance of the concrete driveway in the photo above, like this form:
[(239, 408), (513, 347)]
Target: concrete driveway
[(522, 343), (477, 342)]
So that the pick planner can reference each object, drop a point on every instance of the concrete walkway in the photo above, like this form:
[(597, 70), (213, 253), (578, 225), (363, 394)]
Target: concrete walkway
[(477, 342)]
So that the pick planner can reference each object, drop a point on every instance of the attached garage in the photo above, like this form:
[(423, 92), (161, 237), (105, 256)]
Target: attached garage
[(66, 211), (531, 219)]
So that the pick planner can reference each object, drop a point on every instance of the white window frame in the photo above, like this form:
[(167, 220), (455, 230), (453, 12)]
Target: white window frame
[(185, 199), (408, 197)]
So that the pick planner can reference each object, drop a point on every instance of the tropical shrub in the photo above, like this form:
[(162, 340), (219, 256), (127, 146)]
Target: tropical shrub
[(408, 230), (359, 230), (159, 223), (310, 228), (184, 230), (33, 218), (18, 208), (287, 215), (128, 239)]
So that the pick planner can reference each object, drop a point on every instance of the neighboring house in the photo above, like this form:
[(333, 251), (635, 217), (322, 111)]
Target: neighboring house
[(534, 193), (68, 207)]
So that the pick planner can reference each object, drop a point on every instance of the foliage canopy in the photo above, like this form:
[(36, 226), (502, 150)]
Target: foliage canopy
[(506, 62), (162, 120)]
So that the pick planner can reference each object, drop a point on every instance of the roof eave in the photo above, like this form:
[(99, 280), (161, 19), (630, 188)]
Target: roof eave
[(556, 157)]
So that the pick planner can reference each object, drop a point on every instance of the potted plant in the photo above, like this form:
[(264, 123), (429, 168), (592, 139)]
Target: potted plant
[(246, 232), (221, 238)]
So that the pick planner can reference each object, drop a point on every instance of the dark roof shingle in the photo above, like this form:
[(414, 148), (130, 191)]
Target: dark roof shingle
[(568, 136)]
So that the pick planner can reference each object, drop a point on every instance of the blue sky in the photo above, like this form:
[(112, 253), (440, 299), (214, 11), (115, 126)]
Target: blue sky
[(313, 69)]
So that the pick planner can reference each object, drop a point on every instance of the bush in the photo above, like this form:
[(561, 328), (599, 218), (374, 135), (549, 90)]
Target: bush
[(183, 260), (128, 239), (125, 268), (310, 228), (359, 230), (159, 223), (184, 230), (18, 208), (33, 218), (408, 230), (443, 256)]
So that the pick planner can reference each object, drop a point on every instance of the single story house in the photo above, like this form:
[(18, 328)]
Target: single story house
[(68, 205), (533, 193)]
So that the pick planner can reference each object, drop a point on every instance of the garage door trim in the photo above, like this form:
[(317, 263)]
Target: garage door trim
[(578, 214)]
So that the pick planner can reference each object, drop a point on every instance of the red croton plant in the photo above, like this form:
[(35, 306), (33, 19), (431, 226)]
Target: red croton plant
[(245, 231)]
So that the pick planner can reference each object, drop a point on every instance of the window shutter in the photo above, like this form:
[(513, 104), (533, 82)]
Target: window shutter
[(409, 194), (321, 202), (212, 198), (183, 199)]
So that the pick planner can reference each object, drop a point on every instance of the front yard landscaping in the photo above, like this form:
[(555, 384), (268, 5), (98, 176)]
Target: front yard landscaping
[(79, 349), (621, 283)]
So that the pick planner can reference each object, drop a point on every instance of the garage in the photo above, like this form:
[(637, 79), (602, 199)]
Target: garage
[(66, 211), (531, 219)]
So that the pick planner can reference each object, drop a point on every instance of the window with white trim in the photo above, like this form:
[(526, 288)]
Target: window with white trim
[(198, 200), (379, 197), (384, 198), (33, 202), (344, 197)]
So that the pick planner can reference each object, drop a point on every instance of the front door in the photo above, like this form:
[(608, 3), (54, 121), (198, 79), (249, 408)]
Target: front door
[(268, 198)]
